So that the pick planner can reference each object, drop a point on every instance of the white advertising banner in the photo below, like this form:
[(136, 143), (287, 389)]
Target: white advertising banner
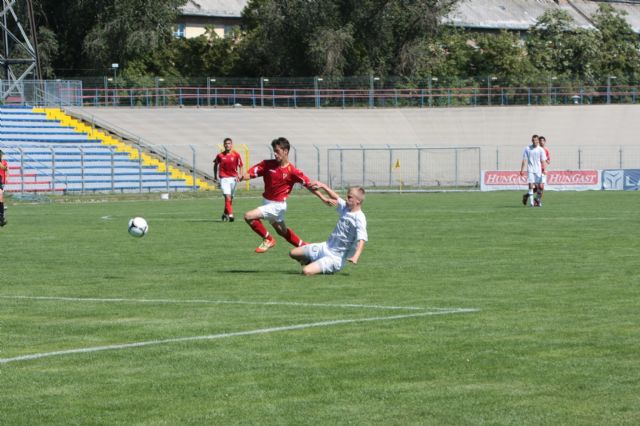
[(557, 180)]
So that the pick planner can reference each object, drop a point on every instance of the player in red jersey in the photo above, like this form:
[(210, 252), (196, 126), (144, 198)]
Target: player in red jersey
[(279, 178), (4, 167), (227, 169)]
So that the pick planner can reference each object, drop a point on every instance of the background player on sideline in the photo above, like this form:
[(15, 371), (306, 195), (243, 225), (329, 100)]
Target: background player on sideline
[(4, 171), (279, 177), (227, 169), (346, 242), (532, 157), (539, 189)]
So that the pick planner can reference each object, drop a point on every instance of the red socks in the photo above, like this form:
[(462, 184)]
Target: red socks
[(227, 206), (293, 238), (259, 228)]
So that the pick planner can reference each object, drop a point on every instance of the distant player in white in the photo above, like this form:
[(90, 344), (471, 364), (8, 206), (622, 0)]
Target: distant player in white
[(533, 158), (346, 242)]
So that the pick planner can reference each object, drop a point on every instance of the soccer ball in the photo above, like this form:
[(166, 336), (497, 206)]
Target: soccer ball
[(138, 227)]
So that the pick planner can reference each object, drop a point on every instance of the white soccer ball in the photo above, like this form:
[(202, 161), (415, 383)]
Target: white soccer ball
[(138, 227)]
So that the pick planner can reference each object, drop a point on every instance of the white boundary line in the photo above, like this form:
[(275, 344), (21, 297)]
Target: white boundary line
[(219, 302), (225, 335)]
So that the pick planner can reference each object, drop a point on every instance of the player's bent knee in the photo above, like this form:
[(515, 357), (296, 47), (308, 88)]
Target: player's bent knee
[(311, 269)]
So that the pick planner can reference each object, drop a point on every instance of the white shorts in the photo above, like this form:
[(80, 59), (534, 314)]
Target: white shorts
[(228, 185), (273, 211), (534, 177), (328, 261), (544, 179)]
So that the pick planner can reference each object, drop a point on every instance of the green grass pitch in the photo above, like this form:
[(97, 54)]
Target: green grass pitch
[(189, 326)]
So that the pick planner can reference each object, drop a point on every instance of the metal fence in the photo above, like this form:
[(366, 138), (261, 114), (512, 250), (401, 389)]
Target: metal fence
[(82, 170), (567, 157), (350, 92), (42, 92), (404, 167), (383, 167), (317, 92), (396, 167)]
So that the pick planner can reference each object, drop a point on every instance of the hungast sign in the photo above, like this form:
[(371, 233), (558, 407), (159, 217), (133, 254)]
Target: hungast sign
[(559, 180)]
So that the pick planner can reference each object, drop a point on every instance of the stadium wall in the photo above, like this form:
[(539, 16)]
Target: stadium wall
[(579, 137)]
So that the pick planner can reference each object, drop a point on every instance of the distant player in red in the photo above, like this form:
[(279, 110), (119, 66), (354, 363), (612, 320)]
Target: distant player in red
[(4, 167), (227, 169), (279, 178)]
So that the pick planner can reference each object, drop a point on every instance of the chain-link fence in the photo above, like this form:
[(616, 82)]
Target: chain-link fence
[(42, 92)]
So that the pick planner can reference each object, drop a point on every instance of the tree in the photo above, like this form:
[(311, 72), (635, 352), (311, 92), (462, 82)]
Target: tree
[(47, 50), (205, 55), (91, 35), (339, 37), (619, 54), (131, 29), (504, 56), (557, 47)]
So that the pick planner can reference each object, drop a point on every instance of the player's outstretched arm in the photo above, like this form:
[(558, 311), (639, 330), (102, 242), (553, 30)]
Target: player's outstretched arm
[(359, 248), (330, 192), (315, 188)]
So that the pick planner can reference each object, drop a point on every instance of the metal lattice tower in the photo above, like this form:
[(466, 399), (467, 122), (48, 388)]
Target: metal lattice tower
[(19, 48)]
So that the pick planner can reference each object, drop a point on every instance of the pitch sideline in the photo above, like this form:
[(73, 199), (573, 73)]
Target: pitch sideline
[(235, 334), (219, 302)]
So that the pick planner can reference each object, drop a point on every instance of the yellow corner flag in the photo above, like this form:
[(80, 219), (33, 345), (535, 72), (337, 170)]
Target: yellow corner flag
[(397, 166)]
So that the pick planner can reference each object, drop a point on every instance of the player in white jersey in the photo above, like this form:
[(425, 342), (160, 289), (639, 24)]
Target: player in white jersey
[(345, 243), (533, 158)]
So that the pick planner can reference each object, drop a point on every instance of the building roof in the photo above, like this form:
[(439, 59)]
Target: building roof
[(632, 9), (214, 8), (507, 14), (520, 15), (514, 15)]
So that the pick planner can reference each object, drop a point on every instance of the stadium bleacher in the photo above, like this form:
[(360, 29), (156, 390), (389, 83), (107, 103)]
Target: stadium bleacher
[(48, 151)]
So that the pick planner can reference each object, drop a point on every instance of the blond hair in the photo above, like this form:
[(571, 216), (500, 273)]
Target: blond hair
[(360, 192)]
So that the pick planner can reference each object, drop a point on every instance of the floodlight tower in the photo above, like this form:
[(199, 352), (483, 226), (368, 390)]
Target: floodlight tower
[(19, 48)]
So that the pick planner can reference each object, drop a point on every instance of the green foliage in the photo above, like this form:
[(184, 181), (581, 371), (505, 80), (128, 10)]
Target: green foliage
[(205, 55), (504, 56), (303, 37), (331, 38), (619, 47), (92, 35), (48, 48), (130, 29), (558, 47)]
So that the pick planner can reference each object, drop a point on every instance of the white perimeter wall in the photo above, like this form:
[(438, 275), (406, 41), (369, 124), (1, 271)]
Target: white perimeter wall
[(595, 133)]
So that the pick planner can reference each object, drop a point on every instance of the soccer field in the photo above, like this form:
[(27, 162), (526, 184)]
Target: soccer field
[(465, 308)]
